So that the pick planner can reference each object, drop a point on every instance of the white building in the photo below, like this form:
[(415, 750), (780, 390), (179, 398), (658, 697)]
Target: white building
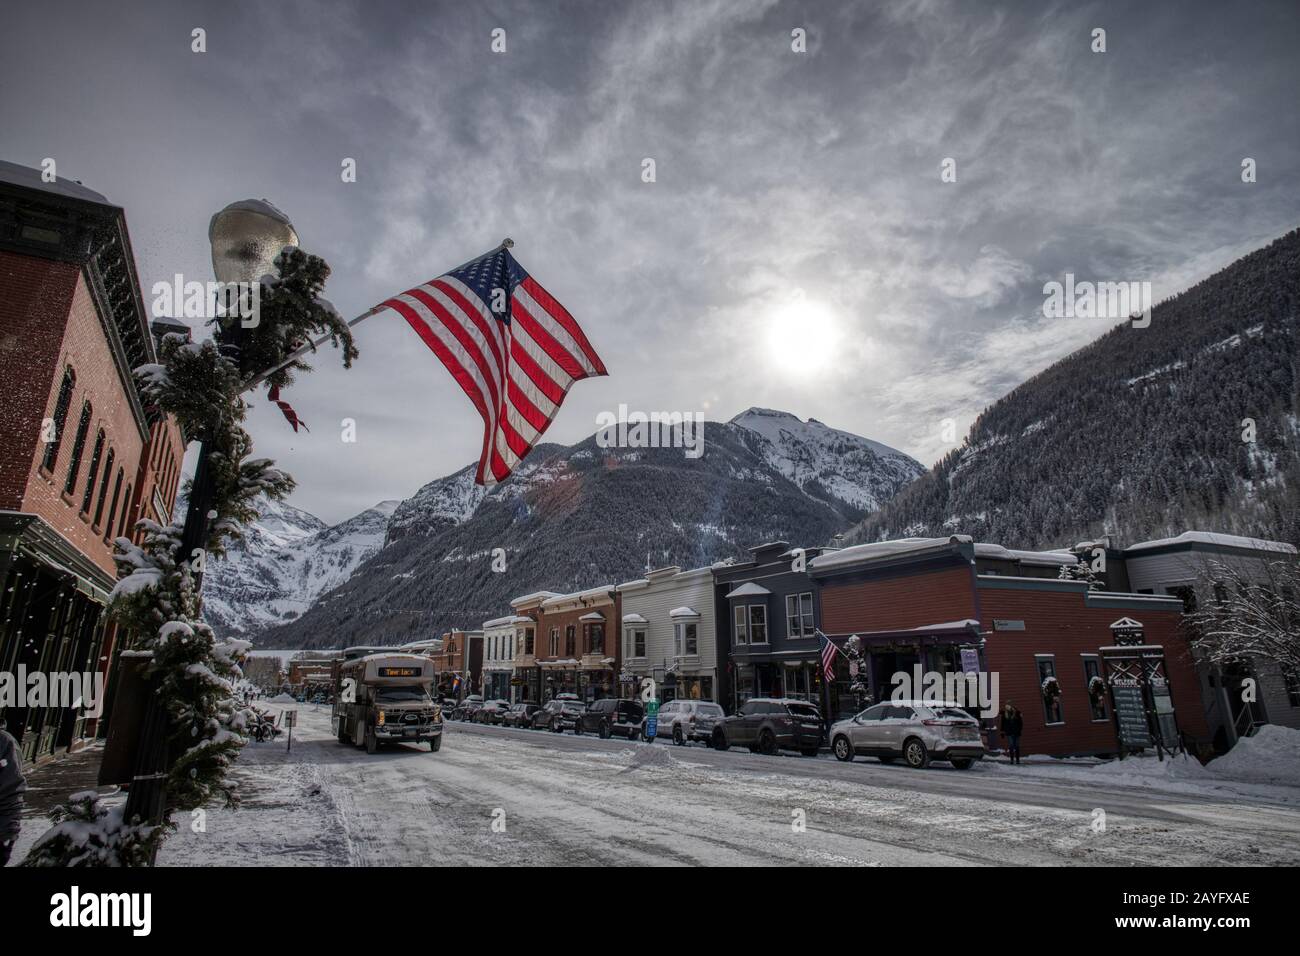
[(499, 644), (669, 633), (1185, 568)]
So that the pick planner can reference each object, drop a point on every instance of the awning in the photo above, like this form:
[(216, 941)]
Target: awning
[(682, 613), (591, 616), (634, 619), (749, 589)]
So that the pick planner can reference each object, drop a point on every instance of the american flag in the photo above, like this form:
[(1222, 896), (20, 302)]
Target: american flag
[(514, 350), (829, 650)]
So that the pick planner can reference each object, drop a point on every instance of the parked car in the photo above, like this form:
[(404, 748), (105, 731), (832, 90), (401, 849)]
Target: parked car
[(520, 715), (766, 725), (492, 711), (683, 720), (610, 718), (468, 707), (914, 730), (560, 714)]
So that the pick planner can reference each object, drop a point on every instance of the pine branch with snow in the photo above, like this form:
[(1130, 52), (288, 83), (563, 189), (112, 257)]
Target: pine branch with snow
[(88, 833)]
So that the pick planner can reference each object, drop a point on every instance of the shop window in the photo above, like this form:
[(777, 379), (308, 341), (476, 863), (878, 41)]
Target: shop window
[(1052, 712), (78, 448), (757, 624), (1092, 674), (60, 418), (742, 628)]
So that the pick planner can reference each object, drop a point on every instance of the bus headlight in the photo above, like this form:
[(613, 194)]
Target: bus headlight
[(381, 718)]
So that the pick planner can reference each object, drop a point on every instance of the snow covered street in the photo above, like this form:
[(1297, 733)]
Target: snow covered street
[(581, 800)]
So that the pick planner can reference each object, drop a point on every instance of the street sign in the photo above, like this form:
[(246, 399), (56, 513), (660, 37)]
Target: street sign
[(652, 719)]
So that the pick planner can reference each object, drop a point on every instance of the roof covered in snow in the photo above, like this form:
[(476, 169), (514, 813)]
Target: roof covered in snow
[(30, 178), (748, 589), (1192, 538), (883, 549), (683, 612)]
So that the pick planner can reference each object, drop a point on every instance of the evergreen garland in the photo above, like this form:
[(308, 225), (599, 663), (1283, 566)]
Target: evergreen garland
[(156, 598)]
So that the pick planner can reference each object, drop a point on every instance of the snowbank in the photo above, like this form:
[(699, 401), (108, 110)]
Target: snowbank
[(1271, 756)]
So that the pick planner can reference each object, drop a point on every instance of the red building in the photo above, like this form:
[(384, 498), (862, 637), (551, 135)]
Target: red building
[(948, 605), (81, 457), (577, 643)]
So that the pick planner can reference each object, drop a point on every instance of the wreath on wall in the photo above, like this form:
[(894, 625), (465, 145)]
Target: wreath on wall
[(1097, 688), (1051, 689)]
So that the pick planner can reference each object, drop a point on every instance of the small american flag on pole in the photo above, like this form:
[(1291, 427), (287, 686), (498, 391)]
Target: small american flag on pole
[(829, 650), (510, 345)]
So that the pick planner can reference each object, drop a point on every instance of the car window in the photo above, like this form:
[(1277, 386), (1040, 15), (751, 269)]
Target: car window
[(952, 713), (874, 713), (900, 713), (712, 710), (749, 708), (804, 710)]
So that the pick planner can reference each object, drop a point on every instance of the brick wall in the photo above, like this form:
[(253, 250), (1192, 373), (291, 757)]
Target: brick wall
[(55, 311), (37, 296), (1060, 623), (894, 603)]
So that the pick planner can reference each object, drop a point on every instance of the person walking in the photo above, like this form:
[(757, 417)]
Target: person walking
[(1013, 724), (12, 787)]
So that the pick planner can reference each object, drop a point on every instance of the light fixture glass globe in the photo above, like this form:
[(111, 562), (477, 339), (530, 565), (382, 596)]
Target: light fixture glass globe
[(246, 237)]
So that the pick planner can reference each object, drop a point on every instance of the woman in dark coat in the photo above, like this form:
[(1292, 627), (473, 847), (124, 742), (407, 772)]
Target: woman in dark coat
[(1013, 723)]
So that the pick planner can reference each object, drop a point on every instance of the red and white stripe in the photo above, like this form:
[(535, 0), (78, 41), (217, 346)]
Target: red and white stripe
[(516, 374)]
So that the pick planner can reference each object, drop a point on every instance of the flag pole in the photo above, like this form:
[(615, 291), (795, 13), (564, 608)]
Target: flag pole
[(261, 377)]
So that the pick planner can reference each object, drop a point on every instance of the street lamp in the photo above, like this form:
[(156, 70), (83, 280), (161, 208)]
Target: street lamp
[(245, 237)]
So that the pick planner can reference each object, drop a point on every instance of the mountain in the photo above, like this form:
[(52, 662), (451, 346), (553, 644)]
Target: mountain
[(1140, 434), (287, 559), (581, 516)]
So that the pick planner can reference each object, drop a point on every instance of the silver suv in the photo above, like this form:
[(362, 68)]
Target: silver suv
[(683, 720), (918, 731)]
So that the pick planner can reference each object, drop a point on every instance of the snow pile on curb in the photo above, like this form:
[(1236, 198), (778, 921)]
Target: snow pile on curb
[(650, 756), (282, 699), (1271, 756), (1150, 771)]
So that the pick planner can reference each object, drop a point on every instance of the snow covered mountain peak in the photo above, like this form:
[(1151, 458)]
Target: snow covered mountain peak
[(827, 461)]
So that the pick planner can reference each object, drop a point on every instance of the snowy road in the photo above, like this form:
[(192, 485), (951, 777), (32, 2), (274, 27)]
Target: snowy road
[(580, 800)]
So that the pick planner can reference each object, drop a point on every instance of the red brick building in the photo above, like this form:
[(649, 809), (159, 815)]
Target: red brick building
[(947, 605), (81, 457), (577, 648)]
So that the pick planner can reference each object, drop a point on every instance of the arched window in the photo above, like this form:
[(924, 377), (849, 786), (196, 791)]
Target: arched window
[(126, 511), (103, 489), (112, 509), (61, 406), (94, 472), (78, 447)]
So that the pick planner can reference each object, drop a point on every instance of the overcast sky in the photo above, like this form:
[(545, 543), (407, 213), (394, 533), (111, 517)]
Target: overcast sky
[(798, 249)]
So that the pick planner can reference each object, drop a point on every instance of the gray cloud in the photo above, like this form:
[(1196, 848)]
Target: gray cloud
[(776, 171)]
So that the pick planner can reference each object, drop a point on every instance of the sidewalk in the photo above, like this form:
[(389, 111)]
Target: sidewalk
[(52, 783)]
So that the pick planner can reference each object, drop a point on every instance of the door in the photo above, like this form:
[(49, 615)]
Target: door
[(893, 724), (866, 733)]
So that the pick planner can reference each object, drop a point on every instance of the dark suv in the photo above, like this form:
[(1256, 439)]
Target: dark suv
[(766, 725), (613, 717)]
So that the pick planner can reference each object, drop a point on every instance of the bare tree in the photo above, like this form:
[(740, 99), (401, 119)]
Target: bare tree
[(1250, 616)]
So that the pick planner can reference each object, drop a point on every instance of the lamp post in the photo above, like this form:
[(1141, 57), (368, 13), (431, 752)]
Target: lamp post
[(245, 237)]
